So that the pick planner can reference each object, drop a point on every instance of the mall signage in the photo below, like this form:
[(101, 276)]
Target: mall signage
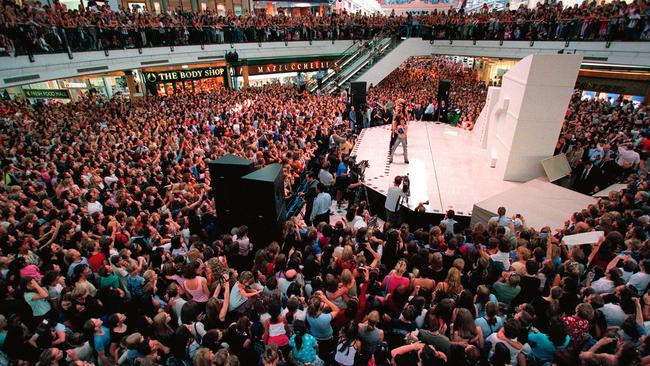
[(47, 93), (185, 74), (286, 67)]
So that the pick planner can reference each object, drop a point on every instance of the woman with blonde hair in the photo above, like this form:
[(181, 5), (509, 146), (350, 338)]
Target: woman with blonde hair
[(452, 284), (162, 331), (347, 287), (396, 278), (204, 357)]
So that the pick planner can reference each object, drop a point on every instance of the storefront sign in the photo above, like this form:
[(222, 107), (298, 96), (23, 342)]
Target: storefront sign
[(72, 84), (288, 67), (180, 75), (47, 93)]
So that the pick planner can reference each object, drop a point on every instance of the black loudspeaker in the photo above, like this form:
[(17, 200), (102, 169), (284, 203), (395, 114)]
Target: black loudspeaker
[(225, 174), (358, 98), (443, 91), (264, 204), (358, 87)]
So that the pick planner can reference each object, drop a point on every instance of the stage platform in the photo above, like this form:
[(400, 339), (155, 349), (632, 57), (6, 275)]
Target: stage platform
[(446, 167), (540, 202)]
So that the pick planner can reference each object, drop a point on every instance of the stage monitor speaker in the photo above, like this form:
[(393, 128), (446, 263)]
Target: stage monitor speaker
[(443, 91), (225, 174), (264, 204), (556, 167)]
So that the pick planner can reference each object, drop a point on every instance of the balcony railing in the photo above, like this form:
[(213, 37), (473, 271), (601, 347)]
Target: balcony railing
[(33, 39)]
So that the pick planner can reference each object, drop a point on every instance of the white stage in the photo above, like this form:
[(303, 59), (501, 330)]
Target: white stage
[(446, 167), (451, 172)]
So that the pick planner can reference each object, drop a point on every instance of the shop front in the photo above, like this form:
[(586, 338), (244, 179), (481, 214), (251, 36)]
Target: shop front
[(292, 8), (283, 73), (73, 89), (185, 80), (221, 7)]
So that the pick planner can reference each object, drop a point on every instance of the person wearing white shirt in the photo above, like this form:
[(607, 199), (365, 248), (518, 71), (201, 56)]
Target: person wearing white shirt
[(605, 284), (502, 255), (93, 206), (393, 196), (511, 330), (322, 203), (627, 157), (641, 279)]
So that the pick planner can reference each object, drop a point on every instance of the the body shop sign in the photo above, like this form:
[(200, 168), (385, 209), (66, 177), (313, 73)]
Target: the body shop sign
[(286, 67), (180, 75)]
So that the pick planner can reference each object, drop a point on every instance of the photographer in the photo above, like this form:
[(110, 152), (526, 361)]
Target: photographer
[(354, 183), (393, 197)]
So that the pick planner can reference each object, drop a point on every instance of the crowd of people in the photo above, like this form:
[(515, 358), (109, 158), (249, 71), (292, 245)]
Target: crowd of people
[(604, 140), (36, 28), (415, 83), (112, 254)]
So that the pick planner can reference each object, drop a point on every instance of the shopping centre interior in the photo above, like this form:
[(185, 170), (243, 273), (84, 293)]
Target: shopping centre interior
[(311, 183)]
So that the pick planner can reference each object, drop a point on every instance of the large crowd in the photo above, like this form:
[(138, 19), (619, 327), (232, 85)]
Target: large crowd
[(112, 252), (415, 84), (36, 28)]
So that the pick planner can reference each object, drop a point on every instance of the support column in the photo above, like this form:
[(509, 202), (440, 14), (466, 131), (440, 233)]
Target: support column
[(130, 83), (245, 75)]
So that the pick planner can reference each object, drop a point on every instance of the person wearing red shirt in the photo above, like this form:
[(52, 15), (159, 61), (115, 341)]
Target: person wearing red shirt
[(578, 325)]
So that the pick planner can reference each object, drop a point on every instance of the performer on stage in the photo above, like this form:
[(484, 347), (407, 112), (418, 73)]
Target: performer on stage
[(401, 131)]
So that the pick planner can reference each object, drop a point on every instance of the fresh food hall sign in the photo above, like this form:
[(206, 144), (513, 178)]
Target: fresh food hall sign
[(288, 67), (47, 93), (180, 75)]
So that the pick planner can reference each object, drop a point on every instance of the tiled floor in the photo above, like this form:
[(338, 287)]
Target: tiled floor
[(446, 167)]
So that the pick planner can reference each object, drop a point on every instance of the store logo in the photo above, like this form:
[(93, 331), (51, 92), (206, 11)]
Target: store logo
[(151, 77)]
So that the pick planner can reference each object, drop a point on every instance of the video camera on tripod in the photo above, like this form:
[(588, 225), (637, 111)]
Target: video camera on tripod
[(406, 184), (360, 167)]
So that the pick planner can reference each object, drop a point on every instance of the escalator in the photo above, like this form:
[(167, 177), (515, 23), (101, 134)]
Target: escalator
[(354, 64)]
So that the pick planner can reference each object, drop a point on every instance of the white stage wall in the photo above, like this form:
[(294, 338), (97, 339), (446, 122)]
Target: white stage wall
[(524, 123)]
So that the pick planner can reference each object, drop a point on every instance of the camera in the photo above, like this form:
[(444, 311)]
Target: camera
[(406, 184)]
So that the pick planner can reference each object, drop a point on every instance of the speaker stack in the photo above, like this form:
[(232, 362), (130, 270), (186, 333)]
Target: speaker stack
[(358, 97), (443, 91), (244, 196), (225, 174)]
